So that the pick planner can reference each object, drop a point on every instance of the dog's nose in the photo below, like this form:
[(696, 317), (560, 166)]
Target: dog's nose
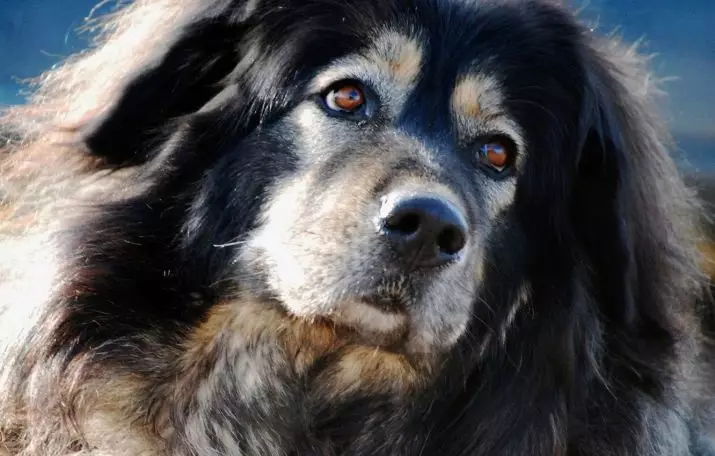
[(425, 230)]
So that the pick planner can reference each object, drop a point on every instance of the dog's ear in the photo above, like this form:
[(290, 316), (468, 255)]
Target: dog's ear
[(599, 208), (185, 73), (629, 205)]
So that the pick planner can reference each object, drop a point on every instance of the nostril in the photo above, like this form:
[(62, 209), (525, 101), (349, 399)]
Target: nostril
[(451, 240), (406, 223)]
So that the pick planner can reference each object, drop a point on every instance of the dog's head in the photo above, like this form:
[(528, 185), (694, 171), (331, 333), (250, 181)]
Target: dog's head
[(386, 165)]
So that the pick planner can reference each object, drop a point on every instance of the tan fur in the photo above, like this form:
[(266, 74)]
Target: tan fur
[(399, 56), (257, 322), (302, 342), (477, 97), (116, 420), (708, 261), (105, 418), (376, 371)]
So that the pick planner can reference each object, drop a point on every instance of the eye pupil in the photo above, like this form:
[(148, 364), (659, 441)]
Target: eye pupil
[(346, 98)]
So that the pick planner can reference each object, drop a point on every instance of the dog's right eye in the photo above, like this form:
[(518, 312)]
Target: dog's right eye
[(346, 97)]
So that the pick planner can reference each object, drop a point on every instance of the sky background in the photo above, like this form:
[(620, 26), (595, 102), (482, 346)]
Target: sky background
[(35, 34)]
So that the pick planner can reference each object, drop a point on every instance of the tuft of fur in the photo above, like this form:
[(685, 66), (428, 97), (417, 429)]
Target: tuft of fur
[(133, 180)]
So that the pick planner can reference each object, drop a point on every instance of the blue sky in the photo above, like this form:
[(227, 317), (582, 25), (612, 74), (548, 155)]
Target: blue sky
[(34, 34)]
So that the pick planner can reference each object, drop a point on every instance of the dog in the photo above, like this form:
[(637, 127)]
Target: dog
[(355, 227)]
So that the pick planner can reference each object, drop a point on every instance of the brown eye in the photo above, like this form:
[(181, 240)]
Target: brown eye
[(346, 98), (496, 154)]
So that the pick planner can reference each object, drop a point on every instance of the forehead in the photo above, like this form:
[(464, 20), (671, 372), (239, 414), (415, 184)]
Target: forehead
[(435, 64), (419, 87)]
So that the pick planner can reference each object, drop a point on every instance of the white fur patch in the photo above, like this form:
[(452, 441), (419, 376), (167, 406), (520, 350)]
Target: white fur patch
[(369, 318)]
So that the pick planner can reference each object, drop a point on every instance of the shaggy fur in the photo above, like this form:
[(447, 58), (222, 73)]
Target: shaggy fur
[(190, 264), (704, 184)]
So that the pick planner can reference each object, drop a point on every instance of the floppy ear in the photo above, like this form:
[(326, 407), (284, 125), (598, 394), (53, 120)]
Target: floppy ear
[(599, 209), (175, 81), (629, 205)]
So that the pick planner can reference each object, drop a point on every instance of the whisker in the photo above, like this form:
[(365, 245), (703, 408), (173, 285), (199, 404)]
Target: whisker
[(229, 244)]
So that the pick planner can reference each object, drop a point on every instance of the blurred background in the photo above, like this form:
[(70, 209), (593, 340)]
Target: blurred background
[(35, 34)]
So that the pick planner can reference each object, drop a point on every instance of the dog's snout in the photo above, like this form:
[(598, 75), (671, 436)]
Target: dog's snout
[(425, 230)]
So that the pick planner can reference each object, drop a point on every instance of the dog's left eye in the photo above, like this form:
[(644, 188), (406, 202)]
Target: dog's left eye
[(345, 98), (497, 154)]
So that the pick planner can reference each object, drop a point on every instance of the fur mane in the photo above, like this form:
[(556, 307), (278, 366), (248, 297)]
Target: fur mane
[(50, 179)]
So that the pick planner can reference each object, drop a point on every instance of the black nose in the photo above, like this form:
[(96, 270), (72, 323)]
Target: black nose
[(426, 231)]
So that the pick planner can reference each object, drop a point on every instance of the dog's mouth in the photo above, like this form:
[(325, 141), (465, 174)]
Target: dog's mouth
[(379, 318), (388, 302)]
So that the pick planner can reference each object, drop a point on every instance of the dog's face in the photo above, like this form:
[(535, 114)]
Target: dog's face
[(382, 222), (387, 160)]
